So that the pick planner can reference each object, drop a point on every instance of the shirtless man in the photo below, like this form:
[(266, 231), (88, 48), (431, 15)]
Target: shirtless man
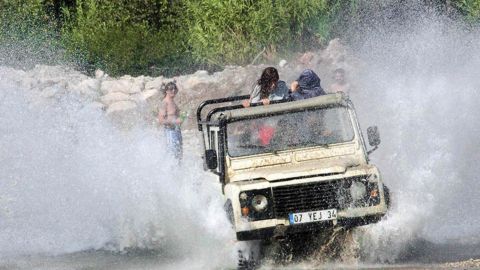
[(341, 84), (169, 117)]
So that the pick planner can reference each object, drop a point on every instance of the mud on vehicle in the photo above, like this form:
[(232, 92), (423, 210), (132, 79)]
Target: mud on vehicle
[(292, 167)]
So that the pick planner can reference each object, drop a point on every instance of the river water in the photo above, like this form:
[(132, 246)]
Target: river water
[(77, 193)]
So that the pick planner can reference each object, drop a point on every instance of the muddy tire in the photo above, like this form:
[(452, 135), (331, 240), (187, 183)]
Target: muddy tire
[(279, 252), (251, 256), (293, 248), (386, 191), (245, 263), (229, 211)]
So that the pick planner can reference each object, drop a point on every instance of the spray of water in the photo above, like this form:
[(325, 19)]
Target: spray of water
[(70, 181), (420, 84)]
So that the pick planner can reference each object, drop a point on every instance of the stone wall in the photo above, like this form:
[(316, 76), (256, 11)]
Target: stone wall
[(128, 100)]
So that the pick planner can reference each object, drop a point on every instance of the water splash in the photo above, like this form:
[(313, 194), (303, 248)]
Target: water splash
[(420, 84), (70, 181)]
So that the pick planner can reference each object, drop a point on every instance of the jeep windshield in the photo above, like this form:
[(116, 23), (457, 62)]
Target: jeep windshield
[(267, 134)]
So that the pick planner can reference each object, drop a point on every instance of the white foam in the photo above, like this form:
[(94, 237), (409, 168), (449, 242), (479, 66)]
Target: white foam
[(420, 84), (70, 181)]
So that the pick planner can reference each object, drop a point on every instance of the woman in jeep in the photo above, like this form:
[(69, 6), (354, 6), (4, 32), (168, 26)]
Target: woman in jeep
[(268, 88)]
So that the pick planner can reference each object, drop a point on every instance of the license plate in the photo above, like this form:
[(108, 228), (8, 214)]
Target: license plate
[(312, 216)]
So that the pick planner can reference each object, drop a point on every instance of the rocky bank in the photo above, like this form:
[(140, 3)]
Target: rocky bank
[(128, 100)]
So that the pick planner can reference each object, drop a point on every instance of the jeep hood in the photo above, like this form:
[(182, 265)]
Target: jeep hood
[(287, 169)]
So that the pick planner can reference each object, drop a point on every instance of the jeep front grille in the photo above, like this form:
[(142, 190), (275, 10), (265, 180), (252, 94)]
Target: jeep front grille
[(306, 197)]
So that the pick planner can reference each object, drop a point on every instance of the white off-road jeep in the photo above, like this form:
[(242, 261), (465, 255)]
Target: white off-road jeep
[(292, 167)]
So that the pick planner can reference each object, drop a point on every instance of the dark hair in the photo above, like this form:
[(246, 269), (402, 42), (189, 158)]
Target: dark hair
[(269, 76), (169, 86), (339, 70)]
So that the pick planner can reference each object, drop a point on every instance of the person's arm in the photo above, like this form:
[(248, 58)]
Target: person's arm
[(162, 114), (315, 92), (293, 93), (177, 119), (319, 91), (253, 95), (265, 101), (294, 86), (167, 119)]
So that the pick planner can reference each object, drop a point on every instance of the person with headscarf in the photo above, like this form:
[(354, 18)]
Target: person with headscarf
[(306, 86)]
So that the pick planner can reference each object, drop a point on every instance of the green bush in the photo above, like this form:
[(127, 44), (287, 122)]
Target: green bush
[(470, 8), (118, 37), (234, 32), (27, 34), (168, 37)]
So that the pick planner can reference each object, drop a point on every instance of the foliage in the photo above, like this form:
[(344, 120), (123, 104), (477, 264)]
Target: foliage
[(120, 37), (471, 9), (22, 15), (170, 37), (26, 33), (235, 31)]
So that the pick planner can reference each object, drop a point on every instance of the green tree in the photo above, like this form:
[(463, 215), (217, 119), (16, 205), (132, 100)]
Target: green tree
[(122, 36), (235, 31), (27, 34), (470, 8)]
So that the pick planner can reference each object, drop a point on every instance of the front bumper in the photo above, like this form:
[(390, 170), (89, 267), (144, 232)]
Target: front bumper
[(268, 232), (305, 195), (350, 217)]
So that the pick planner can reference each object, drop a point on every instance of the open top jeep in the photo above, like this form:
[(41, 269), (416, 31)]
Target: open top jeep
[(292, 167)]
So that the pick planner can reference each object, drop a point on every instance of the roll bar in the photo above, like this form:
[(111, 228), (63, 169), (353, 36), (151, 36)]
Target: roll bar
[(215, 101)]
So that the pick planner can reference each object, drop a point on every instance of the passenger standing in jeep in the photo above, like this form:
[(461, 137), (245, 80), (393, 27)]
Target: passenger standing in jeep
[(341, 84), (306, 86), (268, 88)]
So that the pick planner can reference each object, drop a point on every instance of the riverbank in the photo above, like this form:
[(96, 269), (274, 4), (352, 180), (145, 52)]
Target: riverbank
[(131, 101)]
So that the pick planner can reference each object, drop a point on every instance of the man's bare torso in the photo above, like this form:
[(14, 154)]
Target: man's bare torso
[(169, 111), (336, 87)]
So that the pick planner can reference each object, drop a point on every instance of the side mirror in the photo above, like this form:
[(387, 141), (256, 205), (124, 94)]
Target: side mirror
[(373, 136), (211, 159)]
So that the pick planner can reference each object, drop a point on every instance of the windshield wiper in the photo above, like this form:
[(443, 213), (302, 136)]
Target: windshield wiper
[(251, 146), (311, 144)]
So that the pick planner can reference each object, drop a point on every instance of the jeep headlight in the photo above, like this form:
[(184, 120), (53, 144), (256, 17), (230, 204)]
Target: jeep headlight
[(358, 190), (259, 203), (256, 204)]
